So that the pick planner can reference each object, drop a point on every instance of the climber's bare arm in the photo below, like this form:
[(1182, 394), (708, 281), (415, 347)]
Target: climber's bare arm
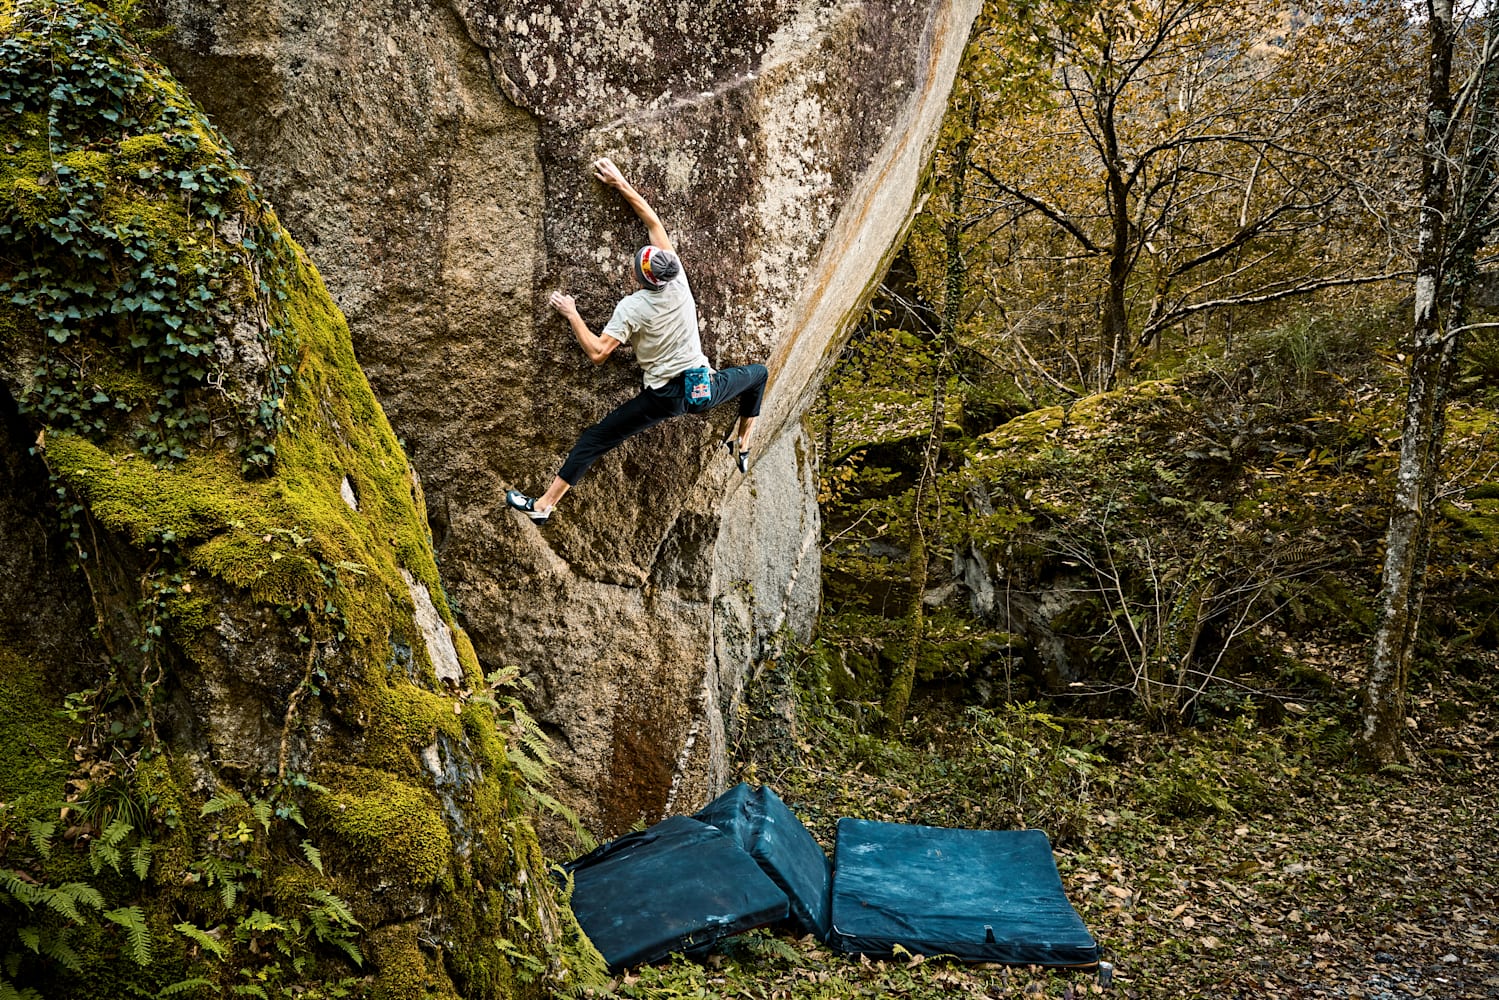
[(597, 348), (605, 170)]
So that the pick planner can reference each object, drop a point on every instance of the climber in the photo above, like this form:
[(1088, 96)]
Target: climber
[(659, 321)]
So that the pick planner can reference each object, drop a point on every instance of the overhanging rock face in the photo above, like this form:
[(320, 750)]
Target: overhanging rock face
[(433, 159)]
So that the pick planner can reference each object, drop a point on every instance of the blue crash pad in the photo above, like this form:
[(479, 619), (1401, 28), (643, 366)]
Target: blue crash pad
[(978, 895), (771, 834), (677, 887)]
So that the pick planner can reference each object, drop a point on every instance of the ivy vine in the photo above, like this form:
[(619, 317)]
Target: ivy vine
[(133, 250)]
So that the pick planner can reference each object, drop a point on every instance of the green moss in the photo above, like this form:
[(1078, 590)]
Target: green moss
[(160, 781), (389, 826), (403, 720), (278, 545), (402, 970), (34, 760)]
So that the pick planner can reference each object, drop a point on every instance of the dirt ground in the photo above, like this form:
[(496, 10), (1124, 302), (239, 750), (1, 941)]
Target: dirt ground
[(1273, 867)]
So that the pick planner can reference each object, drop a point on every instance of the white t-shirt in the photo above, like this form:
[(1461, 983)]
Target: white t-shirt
[(661, 324)]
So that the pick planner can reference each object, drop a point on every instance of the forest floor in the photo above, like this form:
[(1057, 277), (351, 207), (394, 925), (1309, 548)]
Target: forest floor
[(1247, 860)]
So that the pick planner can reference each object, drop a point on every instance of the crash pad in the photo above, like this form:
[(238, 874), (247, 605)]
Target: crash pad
[(677, 887), (978, 895), (770, 833)]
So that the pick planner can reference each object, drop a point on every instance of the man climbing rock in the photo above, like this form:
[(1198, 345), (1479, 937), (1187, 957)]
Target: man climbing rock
[(660, 322)]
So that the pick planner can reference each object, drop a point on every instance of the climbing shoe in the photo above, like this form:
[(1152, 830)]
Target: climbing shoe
[(741, 458), (516, 500)]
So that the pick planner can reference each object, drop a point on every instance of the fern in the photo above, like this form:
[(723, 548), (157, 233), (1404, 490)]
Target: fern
[(41, 836), (197, 983), (259, 920), (140, 858), (55, 946), (225, 875), (335, 907), (66, 898), (221, 802), (133, 919), (530, 736), (333, 923), (250, 990), (262, 810), (106, 848), (314, 856), (9, 992), (293, 812), (348, 947), (22, 891), (504, 677), (202, 938), (49, 942)]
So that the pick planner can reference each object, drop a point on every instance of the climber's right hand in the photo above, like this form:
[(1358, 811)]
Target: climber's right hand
[(565, 304), (605, 170)]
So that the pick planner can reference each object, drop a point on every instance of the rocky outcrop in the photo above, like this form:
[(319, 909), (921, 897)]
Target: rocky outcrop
[(243, 743), (432, 156)]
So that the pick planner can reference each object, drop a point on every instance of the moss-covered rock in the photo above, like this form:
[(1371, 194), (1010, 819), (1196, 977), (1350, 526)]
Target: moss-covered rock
[(34, 738), (265, 763), (1159, 536)]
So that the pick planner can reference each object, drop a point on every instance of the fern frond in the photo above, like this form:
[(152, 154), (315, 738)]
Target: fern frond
[(61, 903), (100, 853), (349, 948), (262, 811), (335, 906), (41, 835), (196, 983), (259, 920), (293, 812), (313, 855), (503, 677), (250, 990), (133, 919), (56, 947), (24, 892), (140, 858), (202, 938), (115, 832), (9, 992), (82, 892), (531, 772), (221, 802)]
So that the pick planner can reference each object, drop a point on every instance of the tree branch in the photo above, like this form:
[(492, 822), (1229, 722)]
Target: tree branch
[(1050, 211), (1254, 299)]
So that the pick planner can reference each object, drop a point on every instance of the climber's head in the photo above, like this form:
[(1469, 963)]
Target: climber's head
[(654, 267)]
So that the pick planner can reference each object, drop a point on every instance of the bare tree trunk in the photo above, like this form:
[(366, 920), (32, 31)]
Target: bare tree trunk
[(1116, 333), (1451, 229), (898, 696)]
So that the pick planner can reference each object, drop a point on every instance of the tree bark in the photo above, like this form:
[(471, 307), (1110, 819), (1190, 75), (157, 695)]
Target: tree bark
[(1452, 227)]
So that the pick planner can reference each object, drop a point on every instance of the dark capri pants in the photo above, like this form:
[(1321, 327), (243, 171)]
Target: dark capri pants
[(745, 383)]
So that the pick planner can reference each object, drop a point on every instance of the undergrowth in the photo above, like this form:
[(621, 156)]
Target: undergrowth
[(1191, 856)]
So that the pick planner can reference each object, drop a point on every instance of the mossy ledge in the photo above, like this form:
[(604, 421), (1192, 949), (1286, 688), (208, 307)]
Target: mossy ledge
[(265, 786)]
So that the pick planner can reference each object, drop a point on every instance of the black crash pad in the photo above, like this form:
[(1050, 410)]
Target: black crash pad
[(978, 895), (677, 887), (771, 834)]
